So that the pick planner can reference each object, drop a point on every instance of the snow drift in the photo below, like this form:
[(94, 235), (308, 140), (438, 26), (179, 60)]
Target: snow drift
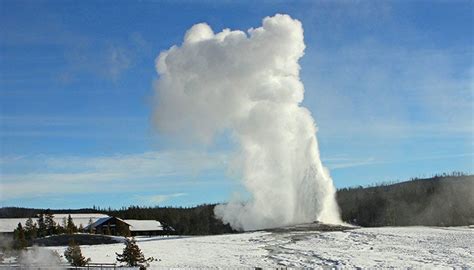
[(248, 84)]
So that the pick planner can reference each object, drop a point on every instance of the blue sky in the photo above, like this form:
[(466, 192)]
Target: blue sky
[(390, 84)]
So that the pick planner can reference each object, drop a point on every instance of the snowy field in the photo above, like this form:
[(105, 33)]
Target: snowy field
[(424, 247)]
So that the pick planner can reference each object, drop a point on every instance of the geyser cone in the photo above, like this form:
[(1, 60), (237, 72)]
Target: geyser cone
[(248, 84)]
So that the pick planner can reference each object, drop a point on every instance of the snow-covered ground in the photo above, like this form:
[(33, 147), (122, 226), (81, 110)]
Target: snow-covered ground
[(420, 247)]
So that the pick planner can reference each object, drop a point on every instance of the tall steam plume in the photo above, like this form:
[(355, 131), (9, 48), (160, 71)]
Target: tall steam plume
[(248, 84)]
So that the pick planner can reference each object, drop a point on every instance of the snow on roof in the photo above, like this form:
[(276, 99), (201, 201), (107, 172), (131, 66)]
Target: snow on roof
[(80, 216), (10, 224), (98, 222), (144, 225)]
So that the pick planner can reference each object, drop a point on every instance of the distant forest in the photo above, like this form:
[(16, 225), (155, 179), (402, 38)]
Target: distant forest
[(442, 200)]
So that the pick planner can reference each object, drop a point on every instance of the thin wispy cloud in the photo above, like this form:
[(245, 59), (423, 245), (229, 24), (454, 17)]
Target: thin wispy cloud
[(48, 120), (69, 126), (336, 163), (160, 198), (75, 54), (27, 175), (340, 163), (107, 59), (374, 88)]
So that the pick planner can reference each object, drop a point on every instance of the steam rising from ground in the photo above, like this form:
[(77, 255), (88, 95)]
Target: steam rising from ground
[(39, 258), (31, 258), (248, 84)]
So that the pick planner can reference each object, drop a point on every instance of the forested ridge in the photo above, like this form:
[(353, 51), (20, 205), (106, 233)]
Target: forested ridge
[(445, 200), (442, 200)]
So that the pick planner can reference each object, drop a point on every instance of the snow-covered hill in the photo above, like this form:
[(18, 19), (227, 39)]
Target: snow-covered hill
[(364, 247)]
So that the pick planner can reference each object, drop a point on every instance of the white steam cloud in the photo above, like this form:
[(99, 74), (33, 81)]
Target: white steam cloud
[(248, 84), (39, 258)]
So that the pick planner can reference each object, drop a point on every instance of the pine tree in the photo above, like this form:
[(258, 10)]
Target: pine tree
[(91, 229), (73, 255), (30, 229), (59, 229), (19, 235), (132, 255), (49, 222), (64, 222), (41, 226), (123, 229), (70, 226)]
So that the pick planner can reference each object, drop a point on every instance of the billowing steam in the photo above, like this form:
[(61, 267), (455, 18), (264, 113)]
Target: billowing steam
[(39, 258), (248, 84)]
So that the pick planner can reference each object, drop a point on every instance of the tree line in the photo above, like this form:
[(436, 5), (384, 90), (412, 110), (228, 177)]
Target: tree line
[(441, 200), (198, 220)]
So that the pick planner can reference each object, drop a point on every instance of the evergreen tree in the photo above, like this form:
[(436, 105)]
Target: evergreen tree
[(91, 229), (73, 255), (59, 229), (64, 222), (49, 222), (19, 235), (41, 226), (81, 228), (132, 255), (30, 229), (123, 229), (70, 226)]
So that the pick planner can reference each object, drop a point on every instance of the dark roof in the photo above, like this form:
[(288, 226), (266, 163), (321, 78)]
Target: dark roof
[(101, 221)]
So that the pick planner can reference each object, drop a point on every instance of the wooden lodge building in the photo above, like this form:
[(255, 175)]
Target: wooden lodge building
[(117, 226)]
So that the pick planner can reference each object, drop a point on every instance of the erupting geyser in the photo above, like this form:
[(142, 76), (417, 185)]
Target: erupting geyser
[(248, 84)]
